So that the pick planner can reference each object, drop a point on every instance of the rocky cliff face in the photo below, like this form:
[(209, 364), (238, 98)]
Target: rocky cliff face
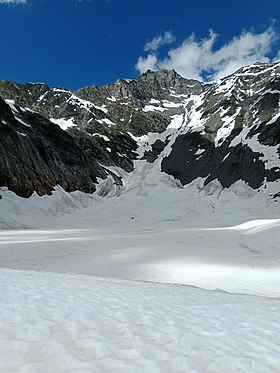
[(238, 131), (225, 131), (36, 155)]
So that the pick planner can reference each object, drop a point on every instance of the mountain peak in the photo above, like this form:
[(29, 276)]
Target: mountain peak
[(224, 132)]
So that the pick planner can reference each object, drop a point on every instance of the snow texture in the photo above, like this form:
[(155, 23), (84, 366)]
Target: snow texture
[(159, 279), (66, 323), (64, 123)]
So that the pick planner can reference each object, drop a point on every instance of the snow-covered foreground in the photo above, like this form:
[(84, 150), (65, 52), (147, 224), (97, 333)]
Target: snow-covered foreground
[(115, 293), (231, 259), (70, 323)]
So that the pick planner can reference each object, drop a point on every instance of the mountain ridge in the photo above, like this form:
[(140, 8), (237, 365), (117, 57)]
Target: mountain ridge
[(226, 130)]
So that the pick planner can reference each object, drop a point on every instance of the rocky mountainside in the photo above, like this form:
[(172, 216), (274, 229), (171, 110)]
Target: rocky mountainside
[(227, 131)]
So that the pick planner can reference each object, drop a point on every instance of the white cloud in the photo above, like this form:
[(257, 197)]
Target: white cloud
[(148, 63), (158, 41), (198, 59), (277, 57), (13, 1)]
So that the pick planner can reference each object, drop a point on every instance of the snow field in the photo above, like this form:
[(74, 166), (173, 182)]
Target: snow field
[(65, 323), (162, 236), (233, 260)]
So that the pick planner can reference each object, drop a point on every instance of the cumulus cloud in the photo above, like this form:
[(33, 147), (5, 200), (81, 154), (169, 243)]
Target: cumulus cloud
[(198, 59), (13, 1), (158, 41), (277, 57), (148, 63)]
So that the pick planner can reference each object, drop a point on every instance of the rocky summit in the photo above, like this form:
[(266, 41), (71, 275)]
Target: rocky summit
[(227, 131)]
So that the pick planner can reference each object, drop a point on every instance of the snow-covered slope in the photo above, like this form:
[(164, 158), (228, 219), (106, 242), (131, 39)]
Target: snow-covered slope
[(186, 197), (152, 231)]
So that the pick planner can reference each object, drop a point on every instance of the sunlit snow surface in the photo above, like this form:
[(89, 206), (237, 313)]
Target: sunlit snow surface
[(66, 323), (159, 279)]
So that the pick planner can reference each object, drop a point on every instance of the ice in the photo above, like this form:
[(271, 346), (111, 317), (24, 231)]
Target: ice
[(106, 121), (21, 133), (227, 127), (142, 235), (41, 97), (77, 101), (257, 225), (64, 123), (11, 103), (113, 99), (193, 120), (153, 108), (22, 122), (270, 152), (176, 121), (169, 104), (224, 85), (275, 118), (160, 278), (105, 138)]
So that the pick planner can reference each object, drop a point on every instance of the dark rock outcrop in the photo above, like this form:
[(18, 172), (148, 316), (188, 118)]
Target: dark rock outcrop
[(36, 155), (226, 131)]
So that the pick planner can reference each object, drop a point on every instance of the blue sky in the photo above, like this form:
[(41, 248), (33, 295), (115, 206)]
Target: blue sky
[(76, 43)]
